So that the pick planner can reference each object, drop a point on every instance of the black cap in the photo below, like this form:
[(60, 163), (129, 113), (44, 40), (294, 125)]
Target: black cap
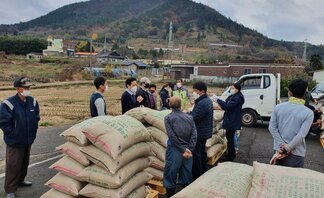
[(22, 82)]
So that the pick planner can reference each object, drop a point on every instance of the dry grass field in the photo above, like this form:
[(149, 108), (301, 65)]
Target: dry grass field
[(69, 105)]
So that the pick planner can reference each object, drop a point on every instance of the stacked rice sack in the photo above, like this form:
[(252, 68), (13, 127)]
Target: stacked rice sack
[(105, 157), (154, 122), (217, 143)]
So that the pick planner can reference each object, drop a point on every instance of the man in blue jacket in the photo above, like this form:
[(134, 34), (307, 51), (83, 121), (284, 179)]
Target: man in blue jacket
[(232, 117), (202, 114), (19, 117)]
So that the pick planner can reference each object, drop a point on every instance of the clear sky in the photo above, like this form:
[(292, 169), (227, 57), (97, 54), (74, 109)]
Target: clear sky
[(291, 20)]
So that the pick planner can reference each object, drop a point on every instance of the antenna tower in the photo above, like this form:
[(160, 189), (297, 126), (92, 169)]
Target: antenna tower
[(170, 45), (305, 51)]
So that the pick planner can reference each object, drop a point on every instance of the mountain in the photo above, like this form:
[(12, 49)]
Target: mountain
[(194, 24)]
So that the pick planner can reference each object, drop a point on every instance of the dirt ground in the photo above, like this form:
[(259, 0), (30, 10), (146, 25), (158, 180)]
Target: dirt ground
[(69, 105)]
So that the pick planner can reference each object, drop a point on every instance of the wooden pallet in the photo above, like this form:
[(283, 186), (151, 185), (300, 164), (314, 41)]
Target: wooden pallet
[(214, 159), (153, 194), (322, 142), (157, 185)]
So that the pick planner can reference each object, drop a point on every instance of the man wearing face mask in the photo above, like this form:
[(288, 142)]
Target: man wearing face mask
[(143, 92), (19, 117), (152, 96), (182, 92), (232, 116), (97, 101), (129, 99), (202, 114)]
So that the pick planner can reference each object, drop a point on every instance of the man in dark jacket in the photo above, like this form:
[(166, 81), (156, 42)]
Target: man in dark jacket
[(152, 96), (232, 116), (128, 99), (181, 143), (97, 101), (142, 91), (19, 117), (165, 93), (202, 114)]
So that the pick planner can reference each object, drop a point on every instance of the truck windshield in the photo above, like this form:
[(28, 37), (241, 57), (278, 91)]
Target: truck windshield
[(319, 88)]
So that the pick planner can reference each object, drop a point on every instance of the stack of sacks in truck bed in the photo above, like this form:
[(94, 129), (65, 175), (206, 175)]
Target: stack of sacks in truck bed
[(154, 122), (217, 143), (104, 157)]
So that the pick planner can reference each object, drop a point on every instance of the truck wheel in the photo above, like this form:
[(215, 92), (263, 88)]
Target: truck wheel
[(249, 118)]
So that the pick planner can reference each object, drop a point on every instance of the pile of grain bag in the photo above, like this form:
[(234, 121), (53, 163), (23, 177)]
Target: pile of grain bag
[(227, 179), (231, 179), (104, 157), (154, 122), (217, 143)]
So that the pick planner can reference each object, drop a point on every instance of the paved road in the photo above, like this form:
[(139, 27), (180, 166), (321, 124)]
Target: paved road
[(255, 144), (43, 149)]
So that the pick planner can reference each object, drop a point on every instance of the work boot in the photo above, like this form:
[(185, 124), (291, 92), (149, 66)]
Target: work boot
[(170, 192), (25, 184), (11, 195)]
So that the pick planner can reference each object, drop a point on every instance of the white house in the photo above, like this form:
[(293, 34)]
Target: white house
[(54, 47)]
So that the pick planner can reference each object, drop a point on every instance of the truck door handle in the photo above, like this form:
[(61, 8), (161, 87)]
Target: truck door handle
[(261, 97)]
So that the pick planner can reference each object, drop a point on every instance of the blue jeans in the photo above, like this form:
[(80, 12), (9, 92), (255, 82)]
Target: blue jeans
[(236, 140), (176, 165)]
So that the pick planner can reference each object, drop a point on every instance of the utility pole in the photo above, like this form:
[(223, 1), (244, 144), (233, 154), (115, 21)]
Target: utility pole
[(93, 37), (105, 43), (90, 51), (305, 51), (170, 44)]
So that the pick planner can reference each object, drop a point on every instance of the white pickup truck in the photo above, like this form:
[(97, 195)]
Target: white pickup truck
[(261, 93)]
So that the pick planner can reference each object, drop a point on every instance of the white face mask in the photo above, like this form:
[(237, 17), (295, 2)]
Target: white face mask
[(233, 91), (179, 85), (106, 88), (134, 89), (25, 93), (195, 96)]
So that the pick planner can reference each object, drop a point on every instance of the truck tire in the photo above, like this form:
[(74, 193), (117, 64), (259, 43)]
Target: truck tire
[(249, 118)]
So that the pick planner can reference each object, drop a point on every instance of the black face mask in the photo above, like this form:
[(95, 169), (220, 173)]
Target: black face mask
[(152, 91), (146, 85)]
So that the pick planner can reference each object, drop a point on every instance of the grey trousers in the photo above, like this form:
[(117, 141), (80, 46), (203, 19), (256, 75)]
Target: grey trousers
[(292, 161), (17, 161)]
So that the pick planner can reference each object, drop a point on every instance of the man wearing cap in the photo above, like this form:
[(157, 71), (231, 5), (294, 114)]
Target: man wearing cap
[(142, 91), (19, 117)]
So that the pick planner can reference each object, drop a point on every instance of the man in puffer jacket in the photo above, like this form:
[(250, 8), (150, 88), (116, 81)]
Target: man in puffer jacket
[(202, 114), (19, 117)]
